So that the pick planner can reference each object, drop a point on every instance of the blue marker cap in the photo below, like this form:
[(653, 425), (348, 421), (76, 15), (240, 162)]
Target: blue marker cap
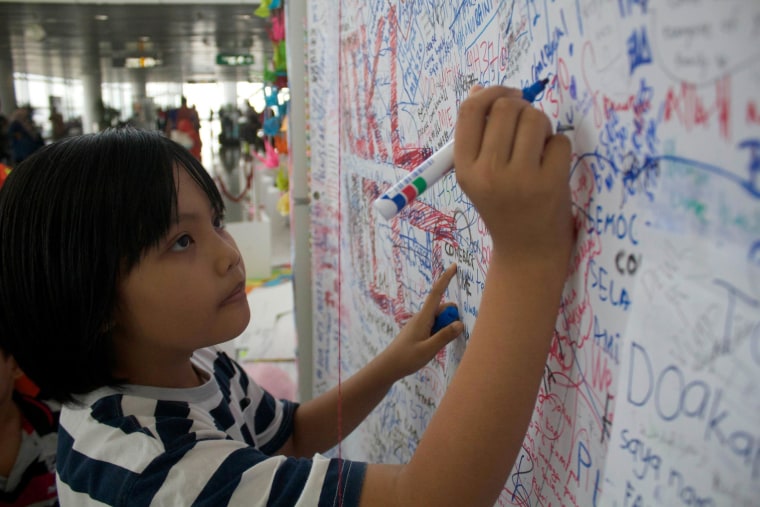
[(531, 92), (443, 319)]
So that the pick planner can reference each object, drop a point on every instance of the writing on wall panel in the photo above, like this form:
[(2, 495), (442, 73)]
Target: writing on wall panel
[(323, 151), (649, 394)]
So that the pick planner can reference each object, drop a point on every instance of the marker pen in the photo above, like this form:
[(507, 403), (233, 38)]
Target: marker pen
[(431, 170), (531, 92)]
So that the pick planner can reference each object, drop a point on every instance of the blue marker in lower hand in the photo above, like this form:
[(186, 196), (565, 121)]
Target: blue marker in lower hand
[(447, 316), (431, 170)]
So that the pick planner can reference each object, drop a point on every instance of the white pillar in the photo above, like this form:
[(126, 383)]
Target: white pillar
[(91, 84), (139, 83), (229, 92), (7, 91), (227, 78), (300, 215)]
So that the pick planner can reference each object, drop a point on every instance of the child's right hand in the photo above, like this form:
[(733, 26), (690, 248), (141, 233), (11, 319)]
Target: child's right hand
[(515, 171)]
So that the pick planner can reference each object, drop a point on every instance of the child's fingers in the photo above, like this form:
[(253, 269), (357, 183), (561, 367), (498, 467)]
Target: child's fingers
[(443, 306), (475, 89), (471, 121), (533, 130), (445, 335), (557, 155), (446, 314), (498, 137), (433, 299)]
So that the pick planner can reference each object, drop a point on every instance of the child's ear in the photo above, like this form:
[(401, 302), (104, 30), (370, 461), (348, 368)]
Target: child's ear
[(21, 383), (15, 368)]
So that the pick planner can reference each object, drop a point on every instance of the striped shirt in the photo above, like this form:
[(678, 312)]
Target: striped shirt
[(209, 445)]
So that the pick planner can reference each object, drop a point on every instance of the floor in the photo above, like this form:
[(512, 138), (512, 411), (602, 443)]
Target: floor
[(267, 348)]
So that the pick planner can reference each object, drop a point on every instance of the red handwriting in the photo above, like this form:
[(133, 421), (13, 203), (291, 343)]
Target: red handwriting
[(687, 106), (753, 116)]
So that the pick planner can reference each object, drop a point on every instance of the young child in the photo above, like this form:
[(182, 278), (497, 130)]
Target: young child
[(117, 279), (28, 427)]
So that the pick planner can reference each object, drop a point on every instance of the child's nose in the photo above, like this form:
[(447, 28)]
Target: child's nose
[(228, 256)]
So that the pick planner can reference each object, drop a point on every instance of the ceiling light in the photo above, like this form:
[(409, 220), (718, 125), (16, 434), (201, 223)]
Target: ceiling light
[(145, 62), (101, 17)]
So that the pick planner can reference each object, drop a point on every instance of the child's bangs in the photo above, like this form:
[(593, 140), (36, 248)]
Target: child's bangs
[(155, 209), (200, 175)]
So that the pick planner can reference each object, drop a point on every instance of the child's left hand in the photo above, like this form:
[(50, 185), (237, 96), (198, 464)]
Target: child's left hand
[(317, 419), (414, 346)]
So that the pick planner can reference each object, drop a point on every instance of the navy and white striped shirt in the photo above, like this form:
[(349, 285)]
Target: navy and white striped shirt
[(208, 445)]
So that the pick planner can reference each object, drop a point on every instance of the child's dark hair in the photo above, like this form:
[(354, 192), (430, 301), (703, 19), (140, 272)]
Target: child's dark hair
[(74, 217)]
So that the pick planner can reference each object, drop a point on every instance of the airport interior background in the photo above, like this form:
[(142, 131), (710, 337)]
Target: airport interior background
[(140, 56), (92, 65)]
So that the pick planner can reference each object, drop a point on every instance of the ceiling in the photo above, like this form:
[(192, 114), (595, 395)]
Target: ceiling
[(52, 39)]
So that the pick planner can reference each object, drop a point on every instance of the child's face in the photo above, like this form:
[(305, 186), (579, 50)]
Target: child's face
[(189, 291)]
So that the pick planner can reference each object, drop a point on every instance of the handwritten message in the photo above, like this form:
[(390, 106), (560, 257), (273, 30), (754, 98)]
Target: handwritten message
[(688, 401), (665, 111)]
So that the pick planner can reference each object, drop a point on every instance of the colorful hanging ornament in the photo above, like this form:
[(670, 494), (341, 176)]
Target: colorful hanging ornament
[(262, 10), (270, 159), (277, 30), (271, 126), (271, 99), (280, 58)]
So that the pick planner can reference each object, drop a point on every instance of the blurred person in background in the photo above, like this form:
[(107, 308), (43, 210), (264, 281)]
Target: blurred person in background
[(25, 137), (57, 125), (5, 142)]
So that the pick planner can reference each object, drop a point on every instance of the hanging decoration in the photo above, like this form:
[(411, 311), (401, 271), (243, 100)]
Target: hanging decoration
[(274, 124), (271, 158), (262, 10)]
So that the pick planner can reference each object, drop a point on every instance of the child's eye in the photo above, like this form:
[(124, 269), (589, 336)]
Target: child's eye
[(182, 243)]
